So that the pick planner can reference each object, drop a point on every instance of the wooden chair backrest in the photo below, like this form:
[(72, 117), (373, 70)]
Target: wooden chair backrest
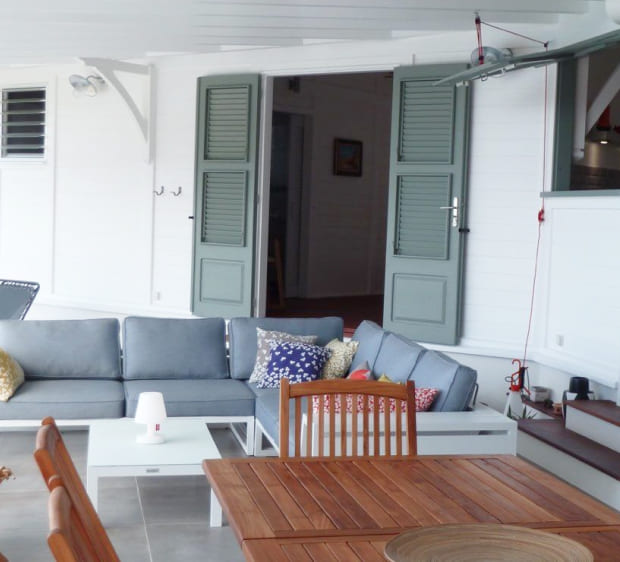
[(67, 537), (355, 433), (57, 469)]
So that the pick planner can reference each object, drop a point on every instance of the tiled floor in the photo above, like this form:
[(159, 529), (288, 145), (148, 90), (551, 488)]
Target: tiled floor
[(159, 519)]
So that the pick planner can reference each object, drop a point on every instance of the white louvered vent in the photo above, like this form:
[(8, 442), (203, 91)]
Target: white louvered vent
[(227, 123), (23, 123), (224, 208), (427, 129), (421, 226)]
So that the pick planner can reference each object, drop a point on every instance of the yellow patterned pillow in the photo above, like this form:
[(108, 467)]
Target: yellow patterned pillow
[(340, 359), (11, 375)]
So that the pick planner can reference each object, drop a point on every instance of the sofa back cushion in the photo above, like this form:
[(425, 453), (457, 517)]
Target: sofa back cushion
[(397, 357), (169, 348), (64, 349), (455, 382), (243, 343), (369, 335)]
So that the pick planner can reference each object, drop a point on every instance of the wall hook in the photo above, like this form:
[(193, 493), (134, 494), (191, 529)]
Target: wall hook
[(177, 192), (160, 192)]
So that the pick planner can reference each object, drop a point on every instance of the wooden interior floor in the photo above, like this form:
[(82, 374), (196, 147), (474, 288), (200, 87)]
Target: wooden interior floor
[(352, 309)]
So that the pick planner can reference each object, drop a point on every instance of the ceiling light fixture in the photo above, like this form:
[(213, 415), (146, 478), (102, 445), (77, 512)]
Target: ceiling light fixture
[(88, 85)]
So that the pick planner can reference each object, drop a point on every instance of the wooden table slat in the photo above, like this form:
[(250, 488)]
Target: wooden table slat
[(360, 491), (536, 492), (436, 501), (595, 508)]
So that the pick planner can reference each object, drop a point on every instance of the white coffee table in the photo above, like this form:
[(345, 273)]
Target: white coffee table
[(113, 451)]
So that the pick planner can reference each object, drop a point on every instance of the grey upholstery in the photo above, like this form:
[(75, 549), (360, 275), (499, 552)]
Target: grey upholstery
[(167, 348), (397, 357), (267, 411), (64, 349), (242, 334), (455, 382), (65, 399), (369, 335), (194, 397)]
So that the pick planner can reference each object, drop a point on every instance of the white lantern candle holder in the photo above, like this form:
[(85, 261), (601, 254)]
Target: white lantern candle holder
[(151, 411)]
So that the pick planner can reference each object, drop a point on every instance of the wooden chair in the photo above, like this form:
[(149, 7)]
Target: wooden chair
[(79, 522), (354, 430)]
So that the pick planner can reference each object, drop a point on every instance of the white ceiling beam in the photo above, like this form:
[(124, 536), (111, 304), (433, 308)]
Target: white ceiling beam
[(549, 6), (283, 32), (420, 20)]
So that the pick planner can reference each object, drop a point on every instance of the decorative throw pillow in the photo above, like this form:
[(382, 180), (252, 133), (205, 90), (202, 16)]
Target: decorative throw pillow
[(263, 351), (340, 359), (11, 375), (361, 373), (298, 362), (423, 400)]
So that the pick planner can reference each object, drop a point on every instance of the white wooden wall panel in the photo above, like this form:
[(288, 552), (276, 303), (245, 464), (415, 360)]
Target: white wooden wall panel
[(504, 182)]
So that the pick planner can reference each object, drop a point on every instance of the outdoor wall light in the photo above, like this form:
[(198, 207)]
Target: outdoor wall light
[(88, 85)]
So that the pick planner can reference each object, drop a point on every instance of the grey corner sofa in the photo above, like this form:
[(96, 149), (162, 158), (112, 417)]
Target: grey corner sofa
[(77, 370)]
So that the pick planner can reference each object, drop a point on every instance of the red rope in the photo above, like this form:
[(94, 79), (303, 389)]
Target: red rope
[(479, 35), (541, 218)]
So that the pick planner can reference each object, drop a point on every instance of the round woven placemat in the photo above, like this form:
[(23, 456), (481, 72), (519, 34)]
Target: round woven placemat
[(482, 542)]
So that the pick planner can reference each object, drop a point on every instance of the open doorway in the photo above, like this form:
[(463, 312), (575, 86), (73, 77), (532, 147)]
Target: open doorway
[(328, 196)]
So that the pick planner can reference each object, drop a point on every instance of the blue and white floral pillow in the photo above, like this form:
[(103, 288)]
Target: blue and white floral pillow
[(298, 362)]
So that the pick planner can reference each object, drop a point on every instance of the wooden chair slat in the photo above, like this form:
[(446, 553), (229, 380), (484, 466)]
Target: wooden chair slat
[(321, 430), (309, 418), (343, 424), (399, 428), (298, 426)]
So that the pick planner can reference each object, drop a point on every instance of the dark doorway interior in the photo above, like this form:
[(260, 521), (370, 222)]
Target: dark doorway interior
[(326, 230)]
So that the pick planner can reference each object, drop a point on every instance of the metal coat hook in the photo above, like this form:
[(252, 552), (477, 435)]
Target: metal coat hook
[(160, 192), (177, 192)]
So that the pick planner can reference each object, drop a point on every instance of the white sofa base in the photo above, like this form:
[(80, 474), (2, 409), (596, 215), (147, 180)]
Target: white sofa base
[(246, 441), (482, 431)]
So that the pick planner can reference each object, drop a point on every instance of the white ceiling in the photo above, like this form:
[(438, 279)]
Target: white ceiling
[(47, 31)]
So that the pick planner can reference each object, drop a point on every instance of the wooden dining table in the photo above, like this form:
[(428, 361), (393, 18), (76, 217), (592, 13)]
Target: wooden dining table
[(348, 508)]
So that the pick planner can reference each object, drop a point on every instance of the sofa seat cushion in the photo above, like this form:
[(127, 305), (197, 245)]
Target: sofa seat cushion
[(168, 348), (397, 357), (243, 338), (65, 399), (194, 397), (455, 382), (64, 349)]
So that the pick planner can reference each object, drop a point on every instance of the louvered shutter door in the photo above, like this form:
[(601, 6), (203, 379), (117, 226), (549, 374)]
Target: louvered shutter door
[(223, 208), (427, 170), (427, 126), (227, 132), (422, 227)]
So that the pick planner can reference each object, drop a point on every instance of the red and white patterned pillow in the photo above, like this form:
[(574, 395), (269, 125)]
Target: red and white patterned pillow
[(423, 400)]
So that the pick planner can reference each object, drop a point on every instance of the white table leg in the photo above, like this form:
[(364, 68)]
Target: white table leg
[(216, 511), (92, 486)]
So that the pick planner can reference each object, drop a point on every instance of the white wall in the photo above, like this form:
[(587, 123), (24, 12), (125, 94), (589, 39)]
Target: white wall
[(86, 223), (346, 216)]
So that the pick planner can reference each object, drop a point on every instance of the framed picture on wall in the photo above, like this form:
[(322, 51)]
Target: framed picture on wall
[(347, 157)]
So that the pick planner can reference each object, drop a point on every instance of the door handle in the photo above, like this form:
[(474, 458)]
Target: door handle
[(455, 211)]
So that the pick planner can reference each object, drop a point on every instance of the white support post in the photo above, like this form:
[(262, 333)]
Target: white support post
[(143, 118), (603, 99), (581, 102)]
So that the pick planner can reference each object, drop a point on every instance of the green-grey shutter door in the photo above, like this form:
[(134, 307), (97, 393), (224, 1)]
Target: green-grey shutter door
[(428, 159), (226, 160)]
